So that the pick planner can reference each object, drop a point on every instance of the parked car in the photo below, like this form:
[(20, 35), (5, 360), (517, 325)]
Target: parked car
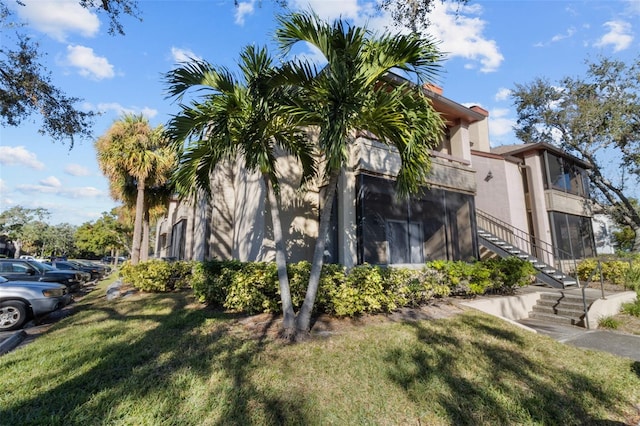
[(31, 270), (70, 266), (102, 270), (111, 259), (21, 301)]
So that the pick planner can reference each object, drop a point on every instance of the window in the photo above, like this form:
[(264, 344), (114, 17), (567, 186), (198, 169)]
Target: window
[(178, 240), (572, 235), (404, 241), (434, 224), (564, 175)]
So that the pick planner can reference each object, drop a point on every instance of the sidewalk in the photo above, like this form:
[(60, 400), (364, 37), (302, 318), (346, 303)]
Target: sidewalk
[(621, 344), (515, 309)]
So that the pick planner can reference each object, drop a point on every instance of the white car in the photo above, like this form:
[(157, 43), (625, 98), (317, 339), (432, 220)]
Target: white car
[(24, 300)]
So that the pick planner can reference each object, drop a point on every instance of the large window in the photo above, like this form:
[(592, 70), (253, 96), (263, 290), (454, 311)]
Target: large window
[(564, 175), (178, 240), (435, 224), (572, 235)]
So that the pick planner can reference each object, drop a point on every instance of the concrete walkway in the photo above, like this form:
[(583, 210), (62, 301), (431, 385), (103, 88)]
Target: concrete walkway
[(515, 309), (617, 343)]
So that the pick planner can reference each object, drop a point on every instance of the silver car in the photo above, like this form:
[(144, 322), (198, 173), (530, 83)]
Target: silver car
[(21, 301)]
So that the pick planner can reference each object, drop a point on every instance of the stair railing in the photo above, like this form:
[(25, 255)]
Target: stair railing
[(541, 250)]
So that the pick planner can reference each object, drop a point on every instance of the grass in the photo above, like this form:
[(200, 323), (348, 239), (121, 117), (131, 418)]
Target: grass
[(161, 359), (609, 322)]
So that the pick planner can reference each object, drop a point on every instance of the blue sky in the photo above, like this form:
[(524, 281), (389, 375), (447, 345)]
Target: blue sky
[(491, 46)]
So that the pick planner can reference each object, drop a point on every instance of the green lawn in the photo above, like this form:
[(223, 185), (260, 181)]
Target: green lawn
[(165, 360)]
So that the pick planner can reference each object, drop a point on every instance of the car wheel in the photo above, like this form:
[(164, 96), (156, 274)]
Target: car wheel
[(13, 315)]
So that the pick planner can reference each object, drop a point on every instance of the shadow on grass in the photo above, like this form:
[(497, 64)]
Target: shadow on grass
[(148, 361), (479, 373)]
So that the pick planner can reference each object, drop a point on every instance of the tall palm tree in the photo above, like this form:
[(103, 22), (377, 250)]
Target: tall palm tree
[(133, 155), (238, 118), (353, 92)]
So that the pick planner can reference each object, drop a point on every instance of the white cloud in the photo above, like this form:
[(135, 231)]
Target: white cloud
[(461, 32), (619, 36), (59, 18), (46, 187), (3, 186), (329, 10), (503, 94), (76, 170), (51, 181), (570, 32), (90, 65), (122, 110), (179, 55), (19, 156), (243, 9), (501, 126)]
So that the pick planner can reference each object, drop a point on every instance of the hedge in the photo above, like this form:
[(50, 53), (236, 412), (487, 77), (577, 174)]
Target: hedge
[(252, 287)]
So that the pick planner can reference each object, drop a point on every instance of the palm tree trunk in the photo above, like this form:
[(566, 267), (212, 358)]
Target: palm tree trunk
[(137, 225), (303, 321), (144, 245), (288, 321)]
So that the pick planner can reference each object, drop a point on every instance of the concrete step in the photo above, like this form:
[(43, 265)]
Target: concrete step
[(565, 311), (557, 319)]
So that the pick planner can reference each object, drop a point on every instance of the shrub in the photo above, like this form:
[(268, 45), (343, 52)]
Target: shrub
[(619, 272), (157, 275), (511, 272), (632, 308), (211, 279), (608, 322), (254, 288)]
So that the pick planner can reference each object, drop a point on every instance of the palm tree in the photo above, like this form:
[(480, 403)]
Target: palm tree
[(133, 155), (353, 91), (239, 118)]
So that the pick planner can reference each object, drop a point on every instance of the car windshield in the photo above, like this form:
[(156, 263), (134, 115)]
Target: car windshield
[(3, 280), (42, 267)]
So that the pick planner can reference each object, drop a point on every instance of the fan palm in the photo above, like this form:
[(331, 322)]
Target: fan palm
[(133, 155), (354, 91), (238, 118)]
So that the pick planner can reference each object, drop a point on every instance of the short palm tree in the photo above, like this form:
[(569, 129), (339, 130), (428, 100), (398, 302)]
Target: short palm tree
[(238, 118), (133, 155), (354, 92)]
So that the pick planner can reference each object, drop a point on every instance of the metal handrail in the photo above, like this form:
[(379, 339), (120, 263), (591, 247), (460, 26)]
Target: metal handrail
[(523, 240)]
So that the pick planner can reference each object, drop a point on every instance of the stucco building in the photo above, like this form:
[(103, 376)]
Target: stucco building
[(477, 195)]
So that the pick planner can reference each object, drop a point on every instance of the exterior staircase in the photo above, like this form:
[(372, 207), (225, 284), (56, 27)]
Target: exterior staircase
[(562, 308), (497, 238)]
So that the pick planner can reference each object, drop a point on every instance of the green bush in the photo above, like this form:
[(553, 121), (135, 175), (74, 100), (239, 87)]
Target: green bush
[(608, 322), (625, 272), (632, 308), (253, 287), (157, 275), (212, 278), (510, 273)]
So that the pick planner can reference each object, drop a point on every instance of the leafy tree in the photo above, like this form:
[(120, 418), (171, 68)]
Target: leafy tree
[(14, 221), (352, 92), (239, 117), (132, 153), (25, 84), (412, 14), (105, 235), (596, 118)]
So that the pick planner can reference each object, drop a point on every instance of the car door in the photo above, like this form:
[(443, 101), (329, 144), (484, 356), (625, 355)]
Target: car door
[(14, 270)]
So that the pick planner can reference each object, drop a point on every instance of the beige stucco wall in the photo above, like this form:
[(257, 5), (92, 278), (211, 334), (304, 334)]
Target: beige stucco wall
[(502, 195), (384, 160), (241, 225), (568, 203)]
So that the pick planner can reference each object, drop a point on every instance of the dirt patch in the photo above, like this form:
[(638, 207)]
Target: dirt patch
[(268, 325)]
